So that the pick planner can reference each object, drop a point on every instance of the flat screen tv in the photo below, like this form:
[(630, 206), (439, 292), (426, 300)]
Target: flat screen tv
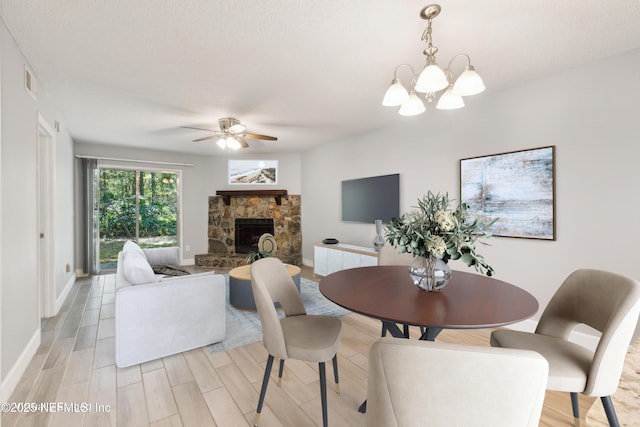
[(368, 199)]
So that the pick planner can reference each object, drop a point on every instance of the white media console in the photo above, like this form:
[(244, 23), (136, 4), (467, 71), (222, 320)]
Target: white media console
[(328, 259)]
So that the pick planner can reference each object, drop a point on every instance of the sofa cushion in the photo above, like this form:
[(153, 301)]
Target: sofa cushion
[(160, 256), (136, 268)]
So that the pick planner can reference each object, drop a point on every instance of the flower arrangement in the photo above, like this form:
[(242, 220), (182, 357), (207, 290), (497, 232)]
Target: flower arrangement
[(433, 229)]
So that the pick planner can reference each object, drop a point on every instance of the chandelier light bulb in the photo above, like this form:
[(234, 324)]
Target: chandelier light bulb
[(395, 95), (412, 106), (222, 143), (449, 100), (431, 79), (469, 83)]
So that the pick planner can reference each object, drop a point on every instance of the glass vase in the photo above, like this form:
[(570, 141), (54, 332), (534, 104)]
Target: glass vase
[(429, 273)]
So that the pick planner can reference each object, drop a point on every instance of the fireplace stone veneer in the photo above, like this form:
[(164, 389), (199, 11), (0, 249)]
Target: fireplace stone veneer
[(221, 230)]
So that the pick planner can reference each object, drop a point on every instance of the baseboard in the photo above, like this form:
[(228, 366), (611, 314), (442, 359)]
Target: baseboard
[(19, 368), (65, 292), (585, 340), (307, 262), (80, 273)]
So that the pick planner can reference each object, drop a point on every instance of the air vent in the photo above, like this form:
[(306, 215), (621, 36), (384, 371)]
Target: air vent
[(30, 82)]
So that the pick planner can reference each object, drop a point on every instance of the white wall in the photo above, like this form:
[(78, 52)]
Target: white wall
[(20, 327), (208, 174), (587, 113)]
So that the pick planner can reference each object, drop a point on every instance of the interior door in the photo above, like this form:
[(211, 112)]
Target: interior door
[(45, 199)]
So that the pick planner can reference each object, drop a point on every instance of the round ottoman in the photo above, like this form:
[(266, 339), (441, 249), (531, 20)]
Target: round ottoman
[(240, 292)]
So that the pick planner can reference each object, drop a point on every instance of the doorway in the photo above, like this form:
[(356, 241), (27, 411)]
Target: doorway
[(45, 199)]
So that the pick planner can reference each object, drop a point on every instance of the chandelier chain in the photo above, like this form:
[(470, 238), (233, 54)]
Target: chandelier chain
[(431, 50)]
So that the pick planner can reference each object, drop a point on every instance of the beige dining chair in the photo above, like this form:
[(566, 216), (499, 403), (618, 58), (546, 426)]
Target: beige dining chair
[(607, 302), (297, 335), (419, 383)]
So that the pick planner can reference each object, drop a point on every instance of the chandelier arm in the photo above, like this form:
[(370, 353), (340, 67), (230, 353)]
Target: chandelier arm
[(449, 73), (395, 72), (458, 55)]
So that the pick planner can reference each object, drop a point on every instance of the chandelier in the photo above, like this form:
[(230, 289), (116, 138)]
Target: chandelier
[(432, 79)]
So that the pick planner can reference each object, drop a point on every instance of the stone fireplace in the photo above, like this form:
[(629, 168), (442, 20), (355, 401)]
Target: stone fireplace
[(281, 213)]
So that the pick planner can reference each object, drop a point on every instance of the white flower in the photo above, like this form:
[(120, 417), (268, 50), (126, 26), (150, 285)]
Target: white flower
[(445, 220), (436, 246), (414, 217)]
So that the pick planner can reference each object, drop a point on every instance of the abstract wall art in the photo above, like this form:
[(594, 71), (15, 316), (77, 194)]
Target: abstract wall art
[(517, 188)]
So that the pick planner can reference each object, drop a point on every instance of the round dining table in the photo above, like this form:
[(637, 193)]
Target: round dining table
[(469, 301)]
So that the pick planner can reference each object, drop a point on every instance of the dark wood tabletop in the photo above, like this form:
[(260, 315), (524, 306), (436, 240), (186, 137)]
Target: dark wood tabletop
[(468, 301)]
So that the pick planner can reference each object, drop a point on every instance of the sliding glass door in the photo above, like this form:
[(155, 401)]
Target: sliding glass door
[(138, 205)]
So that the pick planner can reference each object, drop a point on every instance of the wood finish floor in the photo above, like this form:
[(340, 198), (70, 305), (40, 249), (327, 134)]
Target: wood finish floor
[(75, 364)]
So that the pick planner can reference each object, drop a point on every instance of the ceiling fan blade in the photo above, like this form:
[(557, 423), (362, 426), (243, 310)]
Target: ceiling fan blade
[(205, 138), (191, 127), (242, 142), (257, 136)]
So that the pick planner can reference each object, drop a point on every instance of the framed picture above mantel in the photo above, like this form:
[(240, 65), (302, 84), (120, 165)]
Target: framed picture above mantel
[(517, 189), (253, 172)]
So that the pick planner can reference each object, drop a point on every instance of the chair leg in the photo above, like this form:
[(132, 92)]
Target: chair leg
[(280, 371), (576, 409), (263, 390), (335, 373), (323, 393), (610, 411)]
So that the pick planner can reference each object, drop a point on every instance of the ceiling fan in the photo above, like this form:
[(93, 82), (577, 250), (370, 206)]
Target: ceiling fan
[(231, 134)]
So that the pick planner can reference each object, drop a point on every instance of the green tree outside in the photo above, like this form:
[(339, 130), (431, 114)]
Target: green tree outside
[(156, 224)]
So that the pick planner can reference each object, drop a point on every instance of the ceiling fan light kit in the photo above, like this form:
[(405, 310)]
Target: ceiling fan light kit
[(231, 134), (432, 79)]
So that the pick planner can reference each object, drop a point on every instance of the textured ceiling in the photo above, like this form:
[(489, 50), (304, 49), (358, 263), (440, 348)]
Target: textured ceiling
[(132, 72)]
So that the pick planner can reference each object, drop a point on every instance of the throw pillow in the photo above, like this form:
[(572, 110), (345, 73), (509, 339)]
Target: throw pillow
[(136, 268), (130, 245)]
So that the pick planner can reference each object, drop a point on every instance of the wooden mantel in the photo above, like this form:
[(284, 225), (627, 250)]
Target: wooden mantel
[(227, 194)]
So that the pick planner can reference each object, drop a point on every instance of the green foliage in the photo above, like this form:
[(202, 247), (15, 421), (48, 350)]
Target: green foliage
[(434, 229), (256, 255), (157, 203)]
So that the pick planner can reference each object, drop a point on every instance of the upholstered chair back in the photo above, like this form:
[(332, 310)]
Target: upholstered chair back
[(271, 283), (419, 383), (605, 301)]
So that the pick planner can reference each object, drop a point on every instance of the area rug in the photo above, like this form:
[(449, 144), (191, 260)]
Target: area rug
[(626, 400), (243, 326)]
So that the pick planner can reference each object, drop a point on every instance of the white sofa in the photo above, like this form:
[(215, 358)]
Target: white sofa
[(157, 316)]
